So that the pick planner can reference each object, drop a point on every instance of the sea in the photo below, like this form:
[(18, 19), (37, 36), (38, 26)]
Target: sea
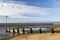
[(4, 34)]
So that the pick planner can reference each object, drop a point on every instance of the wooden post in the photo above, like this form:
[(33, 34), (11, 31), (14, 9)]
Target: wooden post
[(9, 30), (52, 30), (6, 30), (31, 30), (13, 31), (23, 31), (17, 31), (40, 30)]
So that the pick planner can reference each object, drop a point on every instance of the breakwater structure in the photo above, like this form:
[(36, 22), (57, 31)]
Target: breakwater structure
[(14, 27)]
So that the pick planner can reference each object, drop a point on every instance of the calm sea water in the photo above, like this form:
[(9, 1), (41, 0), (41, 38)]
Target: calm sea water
[(4, 34)]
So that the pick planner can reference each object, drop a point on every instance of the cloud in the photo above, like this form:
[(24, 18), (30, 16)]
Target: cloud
[(12, 9)]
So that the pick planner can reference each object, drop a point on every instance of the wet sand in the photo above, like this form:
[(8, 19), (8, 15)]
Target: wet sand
[(43, 36)]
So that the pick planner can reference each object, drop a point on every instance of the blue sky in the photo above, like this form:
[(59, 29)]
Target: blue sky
[(29, 11)]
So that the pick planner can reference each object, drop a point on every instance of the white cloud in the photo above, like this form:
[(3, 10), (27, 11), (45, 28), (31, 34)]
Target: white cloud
[(14, 10), (10, 9)]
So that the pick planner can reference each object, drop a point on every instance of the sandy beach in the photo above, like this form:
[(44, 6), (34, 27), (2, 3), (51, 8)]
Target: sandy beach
[(43, 36)]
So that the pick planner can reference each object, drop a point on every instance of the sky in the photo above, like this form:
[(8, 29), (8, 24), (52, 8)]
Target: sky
[(22, 11)]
